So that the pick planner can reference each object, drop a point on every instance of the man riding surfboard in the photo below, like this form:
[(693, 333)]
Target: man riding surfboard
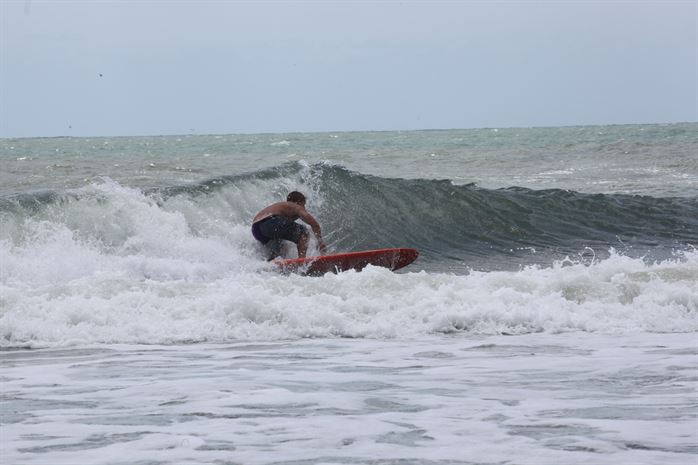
[(276, 223)]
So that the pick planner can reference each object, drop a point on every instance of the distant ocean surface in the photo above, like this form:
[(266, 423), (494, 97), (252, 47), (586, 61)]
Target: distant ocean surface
[(551, 318)]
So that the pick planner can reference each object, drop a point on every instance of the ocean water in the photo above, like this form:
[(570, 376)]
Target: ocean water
[(551, 318)]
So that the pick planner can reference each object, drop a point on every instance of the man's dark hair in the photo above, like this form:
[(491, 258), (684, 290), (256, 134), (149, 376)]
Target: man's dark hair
[(295, 197)]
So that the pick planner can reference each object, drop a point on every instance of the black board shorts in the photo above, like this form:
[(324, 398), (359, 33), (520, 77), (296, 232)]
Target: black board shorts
[(277, 227)]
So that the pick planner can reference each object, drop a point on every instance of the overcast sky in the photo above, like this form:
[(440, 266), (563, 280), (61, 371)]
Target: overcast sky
[(180, 67)]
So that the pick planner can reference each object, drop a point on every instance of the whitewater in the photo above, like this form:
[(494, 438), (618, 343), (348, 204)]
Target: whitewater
[(551, 318)]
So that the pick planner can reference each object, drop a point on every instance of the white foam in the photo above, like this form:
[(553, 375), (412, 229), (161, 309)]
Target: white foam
[(120, 266)]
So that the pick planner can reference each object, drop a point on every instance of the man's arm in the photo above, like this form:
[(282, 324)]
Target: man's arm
[(314, 225)]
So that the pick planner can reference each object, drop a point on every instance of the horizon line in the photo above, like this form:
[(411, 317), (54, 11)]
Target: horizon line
[(349, 131)]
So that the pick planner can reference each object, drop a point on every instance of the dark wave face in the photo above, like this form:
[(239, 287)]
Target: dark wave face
[(498, 228), (453, 226)]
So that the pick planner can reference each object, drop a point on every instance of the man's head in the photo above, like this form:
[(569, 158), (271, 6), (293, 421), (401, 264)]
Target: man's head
[(296, 197)]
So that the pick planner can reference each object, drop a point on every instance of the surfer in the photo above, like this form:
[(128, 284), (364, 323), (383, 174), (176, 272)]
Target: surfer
[(276, 223)]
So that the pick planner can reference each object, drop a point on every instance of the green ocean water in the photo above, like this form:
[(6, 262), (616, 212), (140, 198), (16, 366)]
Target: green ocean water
[(657, 160)]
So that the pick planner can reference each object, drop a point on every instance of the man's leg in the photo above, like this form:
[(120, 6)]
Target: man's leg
[(273, 249), (303, 244)]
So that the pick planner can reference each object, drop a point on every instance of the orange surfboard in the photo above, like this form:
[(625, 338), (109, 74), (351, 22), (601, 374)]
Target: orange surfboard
[(392, 259)]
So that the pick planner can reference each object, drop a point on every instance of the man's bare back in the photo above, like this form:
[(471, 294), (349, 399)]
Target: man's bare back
[(288, 210)]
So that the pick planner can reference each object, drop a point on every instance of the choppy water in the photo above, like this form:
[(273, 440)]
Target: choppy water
[(551, 316), (534, 399)]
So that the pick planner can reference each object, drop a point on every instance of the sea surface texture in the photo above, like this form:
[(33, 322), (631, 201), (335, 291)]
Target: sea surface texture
[(551, 318)]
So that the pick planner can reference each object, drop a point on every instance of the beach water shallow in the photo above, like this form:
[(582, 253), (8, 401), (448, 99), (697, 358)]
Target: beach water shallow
[(572, 398)]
